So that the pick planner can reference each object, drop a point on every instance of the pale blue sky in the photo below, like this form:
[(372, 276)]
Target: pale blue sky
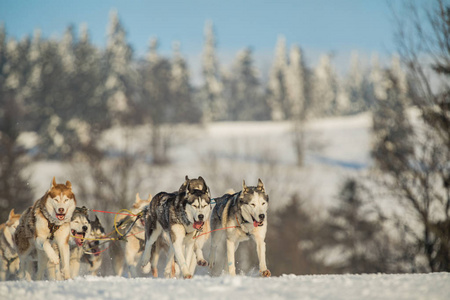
[(318, 26)]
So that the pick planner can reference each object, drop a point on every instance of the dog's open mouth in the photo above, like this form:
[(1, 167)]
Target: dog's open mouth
[(61, 216), (198, 225), (79, 237), (256, 223)]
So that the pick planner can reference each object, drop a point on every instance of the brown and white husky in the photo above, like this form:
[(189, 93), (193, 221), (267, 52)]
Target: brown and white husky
[(45, 223)]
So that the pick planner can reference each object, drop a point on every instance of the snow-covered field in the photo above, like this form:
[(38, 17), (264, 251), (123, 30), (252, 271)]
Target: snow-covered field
[(384, 287)]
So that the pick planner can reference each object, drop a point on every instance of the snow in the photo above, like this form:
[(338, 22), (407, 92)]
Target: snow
[(433, 286)]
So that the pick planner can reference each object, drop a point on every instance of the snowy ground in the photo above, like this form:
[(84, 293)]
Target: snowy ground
[(406, 286)]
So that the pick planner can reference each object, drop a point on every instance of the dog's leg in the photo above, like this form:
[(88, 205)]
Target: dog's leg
[(3, 267), (62, 241), (231, 249), (42, 260), (145, 258), (177, 236), (169, 270), (75, 262), (131, 251), (155, 257), (261, 251)]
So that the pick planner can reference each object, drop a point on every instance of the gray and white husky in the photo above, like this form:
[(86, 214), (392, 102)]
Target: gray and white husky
[(245, 213), (177, 216)]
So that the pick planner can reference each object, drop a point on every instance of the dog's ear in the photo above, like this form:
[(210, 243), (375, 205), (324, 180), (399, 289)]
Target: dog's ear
[(11, 214), (97, 220), (53, 182), (244, 187), (184, 186), (260, 186), (137, 198), (205, 188), (84, 210), (149, 197), (68, 184), (186, 178)]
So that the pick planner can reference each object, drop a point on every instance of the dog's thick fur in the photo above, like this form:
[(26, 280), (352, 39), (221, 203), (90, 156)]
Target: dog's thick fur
[(80, 229), (246, 211), (45, 223), (9, 260), (179, 215), (129, 253), (94, 248)]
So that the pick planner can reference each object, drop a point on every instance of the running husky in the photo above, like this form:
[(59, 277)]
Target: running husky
[(246, 213), (130, 252), (9, 260), (179, 215), (81, 229), (45, 223), (94, 248)]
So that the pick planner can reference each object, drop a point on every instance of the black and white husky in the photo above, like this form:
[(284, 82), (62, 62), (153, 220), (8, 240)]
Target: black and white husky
[(245, 213), (177, 216)]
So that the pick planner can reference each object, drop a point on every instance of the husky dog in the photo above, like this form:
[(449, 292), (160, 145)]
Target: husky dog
[(45, 223), (9, 260), (246, 212), (93, 248), (130, 252), (179, 215), (80, 229)]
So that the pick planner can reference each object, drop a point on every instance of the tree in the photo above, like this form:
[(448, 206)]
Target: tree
[(291, 237), (15, 191), (243, 94), (420, 176), (181, 90), (277, 97), (211, 92), (325, 89), (354, 100), (119, 74), (354, 233)]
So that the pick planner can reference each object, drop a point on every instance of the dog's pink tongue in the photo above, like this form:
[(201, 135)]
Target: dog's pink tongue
[(198, 225), (79, 239), (60, 216), (256, 223)]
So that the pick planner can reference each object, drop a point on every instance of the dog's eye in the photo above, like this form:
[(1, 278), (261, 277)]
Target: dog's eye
[(263, 203), (253, 204)]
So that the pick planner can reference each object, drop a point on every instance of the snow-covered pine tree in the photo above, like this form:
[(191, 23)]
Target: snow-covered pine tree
[(277, 98), (160, 108), (181, 90), (325, 88), (14, 191), (353, 102), (119, 72), (212, 90), (244, 98)]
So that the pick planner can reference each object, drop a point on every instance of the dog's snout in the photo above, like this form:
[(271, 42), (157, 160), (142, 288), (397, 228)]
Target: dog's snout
[(262, 216), (61, 210), (200, 217), (85, 228)]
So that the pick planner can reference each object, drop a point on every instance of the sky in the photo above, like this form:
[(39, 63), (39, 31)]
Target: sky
[(317, 26)]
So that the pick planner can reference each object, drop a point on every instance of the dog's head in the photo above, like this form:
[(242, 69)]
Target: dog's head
[(196, 200), (80, 226), (253, 203), (60, 202), (13, 222), (97, 232)]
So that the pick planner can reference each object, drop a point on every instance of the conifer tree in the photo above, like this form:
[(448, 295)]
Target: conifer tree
[(325, 88), (277, 97)]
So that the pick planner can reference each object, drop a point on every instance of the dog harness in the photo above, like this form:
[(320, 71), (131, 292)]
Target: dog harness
[(53, 228)]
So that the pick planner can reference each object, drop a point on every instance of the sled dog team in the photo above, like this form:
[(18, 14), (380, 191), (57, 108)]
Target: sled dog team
[(59, 236)]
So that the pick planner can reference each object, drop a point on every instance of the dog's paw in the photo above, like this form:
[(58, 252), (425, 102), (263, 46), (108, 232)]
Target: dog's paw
[(146, 268), (265, 273), (54, 258), (155, 272), (202, 263), (188, 276)]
